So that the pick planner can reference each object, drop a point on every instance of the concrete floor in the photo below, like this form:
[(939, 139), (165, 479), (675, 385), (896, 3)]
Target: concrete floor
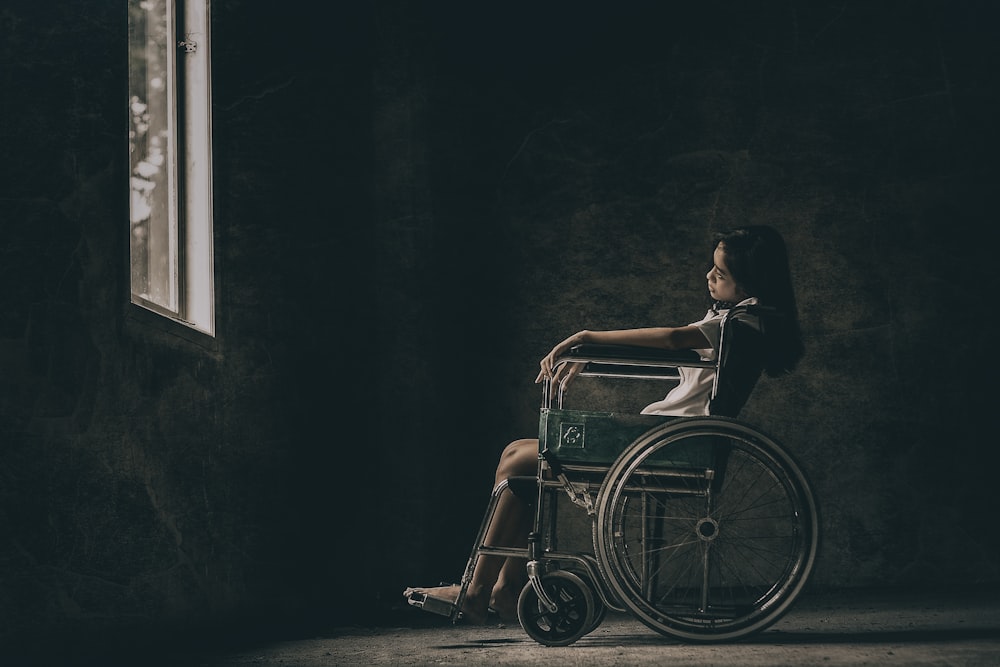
[(843, 628)]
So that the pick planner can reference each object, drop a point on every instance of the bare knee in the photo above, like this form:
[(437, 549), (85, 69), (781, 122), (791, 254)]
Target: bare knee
[(519, 458)]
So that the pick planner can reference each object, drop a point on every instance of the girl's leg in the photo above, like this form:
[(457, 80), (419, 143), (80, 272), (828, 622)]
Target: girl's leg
[(513, 577), (498, 580)]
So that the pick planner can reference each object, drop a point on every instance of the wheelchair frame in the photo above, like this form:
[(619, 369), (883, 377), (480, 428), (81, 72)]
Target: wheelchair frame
[(704, 528)]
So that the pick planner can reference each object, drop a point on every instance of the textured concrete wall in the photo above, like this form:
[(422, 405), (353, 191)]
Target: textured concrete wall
[(413, 203)]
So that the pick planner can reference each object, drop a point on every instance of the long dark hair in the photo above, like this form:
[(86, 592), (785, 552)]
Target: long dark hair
[(758, 260)]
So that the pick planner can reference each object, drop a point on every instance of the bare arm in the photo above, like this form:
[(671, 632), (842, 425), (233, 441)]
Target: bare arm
[(667, 338)]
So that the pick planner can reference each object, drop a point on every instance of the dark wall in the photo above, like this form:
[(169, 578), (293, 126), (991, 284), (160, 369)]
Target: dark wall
[(156, 486), (414, 201)]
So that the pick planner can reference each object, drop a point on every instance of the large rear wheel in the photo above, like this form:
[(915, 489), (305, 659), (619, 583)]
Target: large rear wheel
[(707, 529)]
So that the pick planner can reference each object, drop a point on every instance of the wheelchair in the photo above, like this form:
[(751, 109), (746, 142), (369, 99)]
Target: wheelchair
[(703, 528)]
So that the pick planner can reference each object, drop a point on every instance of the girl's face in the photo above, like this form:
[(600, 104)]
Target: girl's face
[(721, 285)]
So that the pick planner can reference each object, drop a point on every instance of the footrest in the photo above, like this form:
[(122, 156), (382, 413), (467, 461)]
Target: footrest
[(421, 600)]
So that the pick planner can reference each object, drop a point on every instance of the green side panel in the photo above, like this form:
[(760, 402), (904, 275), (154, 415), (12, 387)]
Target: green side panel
[(576, 436)]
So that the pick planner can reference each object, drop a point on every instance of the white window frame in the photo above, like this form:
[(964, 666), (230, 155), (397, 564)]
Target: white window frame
[(183, 236)]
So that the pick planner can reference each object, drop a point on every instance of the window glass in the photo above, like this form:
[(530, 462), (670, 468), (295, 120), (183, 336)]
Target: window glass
[(152, 183)]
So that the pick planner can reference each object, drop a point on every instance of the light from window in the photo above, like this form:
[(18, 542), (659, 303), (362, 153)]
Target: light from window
[(170, 209)]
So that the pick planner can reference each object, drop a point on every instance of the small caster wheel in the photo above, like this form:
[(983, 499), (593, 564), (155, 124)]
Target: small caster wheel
[(573, 617)]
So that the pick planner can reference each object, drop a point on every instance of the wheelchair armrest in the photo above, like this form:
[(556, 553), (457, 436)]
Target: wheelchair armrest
[(617, 353), (632, 360)]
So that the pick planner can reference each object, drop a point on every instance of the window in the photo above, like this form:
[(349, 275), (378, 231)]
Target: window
[(170, 209)]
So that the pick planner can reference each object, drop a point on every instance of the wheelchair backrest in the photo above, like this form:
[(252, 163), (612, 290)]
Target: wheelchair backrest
[(740, 357)]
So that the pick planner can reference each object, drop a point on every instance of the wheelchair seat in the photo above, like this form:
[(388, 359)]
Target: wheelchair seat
[(600, 437)]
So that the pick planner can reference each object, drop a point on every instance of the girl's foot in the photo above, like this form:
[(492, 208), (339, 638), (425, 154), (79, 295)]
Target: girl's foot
[(449, 594)]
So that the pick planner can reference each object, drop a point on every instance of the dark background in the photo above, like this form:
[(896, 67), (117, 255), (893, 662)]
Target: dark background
[(413, 202)]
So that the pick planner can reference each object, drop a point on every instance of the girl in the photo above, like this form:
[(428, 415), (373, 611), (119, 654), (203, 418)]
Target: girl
[(749, 266)]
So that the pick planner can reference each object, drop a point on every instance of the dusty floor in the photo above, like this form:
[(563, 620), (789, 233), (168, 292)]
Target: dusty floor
[(855, 628)]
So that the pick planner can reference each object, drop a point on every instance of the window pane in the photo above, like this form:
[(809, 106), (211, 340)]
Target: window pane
[(153, 213)]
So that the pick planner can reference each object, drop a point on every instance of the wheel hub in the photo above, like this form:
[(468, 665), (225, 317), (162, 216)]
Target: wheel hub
[(707, 529)]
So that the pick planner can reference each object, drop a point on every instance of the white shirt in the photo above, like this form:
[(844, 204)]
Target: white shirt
[(692, 395)]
